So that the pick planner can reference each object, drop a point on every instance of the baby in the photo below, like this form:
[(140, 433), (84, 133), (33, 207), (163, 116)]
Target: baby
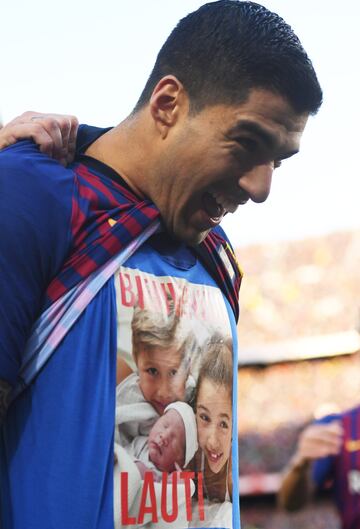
[(171, 444)]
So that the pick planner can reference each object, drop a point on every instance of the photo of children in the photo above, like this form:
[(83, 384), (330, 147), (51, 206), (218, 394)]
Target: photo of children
[(161, 352), (174, 419)]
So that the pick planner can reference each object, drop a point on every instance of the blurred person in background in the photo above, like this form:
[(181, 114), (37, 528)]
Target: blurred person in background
[(327, 455)]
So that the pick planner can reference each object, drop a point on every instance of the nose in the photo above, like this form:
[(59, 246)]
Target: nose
[(257, 182), (212, 440), (163, 391), (162, 441)]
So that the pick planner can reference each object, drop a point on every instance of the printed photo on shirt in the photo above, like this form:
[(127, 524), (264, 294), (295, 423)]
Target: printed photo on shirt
[(173, 431)]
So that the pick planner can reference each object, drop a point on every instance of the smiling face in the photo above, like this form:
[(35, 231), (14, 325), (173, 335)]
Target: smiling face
[(219, 158), (167, 442), (162, 377), (213, 419)]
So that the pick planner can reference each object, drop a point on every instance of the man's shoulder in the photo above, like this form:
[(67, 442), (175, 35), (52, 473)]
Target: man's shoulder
[(22, 165), (353, 413), (347, 414), (20, 154), (327, 419)]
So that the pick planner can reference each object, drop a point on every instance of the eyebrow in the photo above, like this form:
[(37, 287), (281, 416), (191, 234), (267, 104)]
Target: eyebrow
[(250, 126), (203, 407), (268, 138)]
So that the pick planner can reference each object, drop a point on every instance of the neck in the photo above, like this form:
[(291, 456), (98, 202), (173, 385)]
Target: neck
[(215, 484), (126, 150)]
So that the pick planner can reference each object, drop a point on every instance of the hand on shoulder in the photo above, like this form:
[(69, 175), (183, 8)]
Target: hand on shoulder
[(54, 133)]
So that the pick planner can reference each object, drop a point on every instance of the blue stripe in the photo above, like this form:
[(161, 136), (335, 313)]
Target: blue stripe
[(235, 442)]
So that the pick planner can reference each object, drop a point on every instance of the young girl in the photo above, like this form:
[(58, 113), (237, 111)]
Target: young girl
[(213, 406)]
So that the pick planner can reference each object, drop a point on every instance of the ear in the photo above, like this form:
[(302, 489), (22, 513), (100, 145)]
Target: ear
[(168, 102)]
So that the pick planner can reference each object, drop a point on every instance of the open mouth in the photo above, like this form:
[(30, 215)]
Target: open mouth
[(214, 457), (216, 205), (212, 207)]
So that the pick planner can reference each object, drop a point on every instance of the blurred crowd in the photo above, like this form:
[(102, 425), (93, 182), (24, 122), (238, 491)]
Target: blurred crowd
[(299, 288), (277, 401), (263, 515)]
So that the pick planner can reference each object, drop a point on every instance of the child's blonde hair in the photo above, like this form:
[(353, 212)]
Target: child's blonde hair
[(152, 329)]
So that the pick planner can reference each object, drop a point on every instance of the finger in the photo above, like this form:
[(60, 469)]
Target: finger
[(319, 447), (333, 429), (74, 125), (11, 134), (42, 138), (330, 435), (323, 450), (52, 127), (68, 127), (323, 443), (62, 128), (56, 126), (26, 117), (336, 427), (64, 125)]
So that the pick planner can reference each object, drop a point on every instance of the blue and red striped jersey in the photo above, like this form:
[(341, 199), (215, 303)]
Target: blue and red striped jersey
[(343, 470)]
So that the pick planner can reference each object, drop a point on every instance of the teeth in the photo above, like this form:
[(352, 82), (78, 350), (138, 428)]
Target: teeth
[(224, 202)]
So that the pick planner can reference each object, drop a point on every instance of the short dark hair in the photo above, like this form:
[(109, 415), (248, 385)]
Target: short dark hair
[(228, 47)]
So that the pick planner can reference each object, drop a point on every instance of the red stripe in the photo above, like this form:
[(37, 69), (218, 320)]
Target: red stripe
[(132, 225), (84, 265), (55, 289), (356, 418), (210, 244), (127, 194), (77, 222), (343, 471), (96, 182), (108, 240), (356, 414), (90, 195), (149, 211)]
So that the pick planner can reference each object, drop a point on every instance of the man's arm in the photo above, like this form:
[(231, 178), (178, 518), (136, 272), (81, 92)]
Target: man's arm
[(35, 222), (316, 441)]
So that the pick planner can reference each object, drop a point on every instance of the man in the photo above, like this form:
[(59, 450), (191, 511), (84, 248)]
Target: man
[(327, 453), (226, 102)]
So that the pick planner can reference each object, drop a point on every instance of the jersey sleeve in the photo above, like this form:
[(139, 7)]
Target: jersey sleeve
[(35, 222)]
